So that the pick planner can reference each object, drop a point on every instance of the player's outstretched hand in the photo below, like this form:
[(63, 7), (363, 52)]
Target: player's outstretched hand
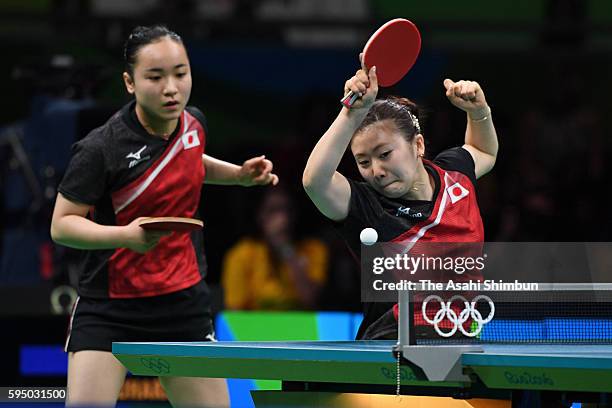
[(140, 240), (467, 96), (257, 172)]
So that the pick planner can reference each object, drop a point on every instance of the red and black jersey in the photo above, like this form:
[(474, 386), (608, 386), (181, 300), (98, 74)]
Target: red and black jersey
[(452, 216), (455, 216), (125, 173)]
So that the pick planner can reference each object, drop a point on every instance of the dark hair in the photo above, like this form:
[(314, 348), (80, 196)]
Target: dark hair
[(403, 112), (141, 36)]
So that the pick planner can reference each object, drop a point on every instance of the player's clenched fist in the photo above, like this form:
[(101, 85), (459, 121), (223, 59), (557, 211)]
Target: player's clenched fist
[(467, 96)]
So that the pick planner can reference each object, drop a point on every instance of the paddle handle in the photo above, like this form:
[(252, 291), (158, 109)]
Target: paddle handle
[(349, 99)]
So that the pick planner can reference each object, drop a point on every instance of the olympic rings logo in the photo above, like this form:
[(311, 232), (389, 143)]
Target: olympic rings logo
[(469, 312)]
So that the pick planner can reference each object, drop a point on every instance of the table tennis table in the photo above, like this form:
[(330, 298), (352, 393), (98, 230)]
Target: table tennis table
[(527, 375)]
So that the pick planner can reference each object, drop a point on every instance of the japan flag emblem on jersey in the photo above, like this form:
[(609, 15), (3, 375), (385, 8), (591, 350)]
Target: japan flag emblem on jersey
[(190, 139), (456, 192)]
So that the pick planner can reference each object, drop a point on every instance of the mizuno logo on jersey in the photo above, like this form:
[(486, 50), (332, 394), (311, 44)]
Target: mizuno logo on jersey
[(190, 139), (456, 192), (137, 154), (406, 211), (137, 157)]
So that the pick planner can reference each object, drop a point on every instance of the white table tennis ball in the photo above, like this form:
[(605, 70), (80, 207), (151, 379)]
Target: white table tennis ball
[(368, 236)]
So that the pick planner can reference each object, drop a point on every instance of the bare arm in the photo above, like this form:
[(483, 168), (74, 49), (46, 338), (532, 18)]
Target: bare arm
[(70, 227), (255, 171), (480, 135), (328, 189)]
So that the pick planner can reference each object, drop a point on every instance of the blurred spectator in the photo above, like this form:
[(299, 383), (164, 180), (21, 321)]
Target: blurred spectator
[(273, 270)]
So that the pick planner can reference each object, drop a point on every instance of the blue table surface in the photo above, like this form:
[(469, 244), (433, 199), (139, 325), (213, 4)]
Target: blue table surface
[(540, 355), (358, 351)]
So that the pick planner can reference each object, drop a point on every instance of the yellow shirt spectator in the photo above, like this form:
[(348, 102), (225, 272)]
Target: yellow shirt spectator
[(258, 276)]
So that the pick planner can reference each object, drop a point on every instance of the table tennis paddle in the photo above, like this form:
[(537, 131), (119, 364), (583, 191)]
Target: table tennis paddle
[(177, 224), (393, 49)]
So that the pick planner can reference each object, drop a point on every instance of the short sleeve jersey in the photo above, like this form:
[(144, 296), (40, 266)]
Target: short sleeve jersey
[(124, 173), (452, 216)]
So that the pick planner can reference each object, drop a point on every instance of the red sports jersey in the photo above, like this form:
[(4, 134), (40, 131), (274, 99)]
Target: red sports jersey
[(170, 187), (455, 218), (125, 173)]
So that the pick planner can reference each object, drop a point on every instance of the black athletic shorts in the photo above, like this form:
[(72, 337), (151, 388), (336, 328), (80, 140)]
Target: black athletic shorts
[(180, 316)]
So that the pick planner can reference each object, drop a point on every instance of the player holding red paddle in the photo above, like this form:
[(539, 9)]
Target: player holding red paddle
[(403, 196), (134, 284), (393, 49)]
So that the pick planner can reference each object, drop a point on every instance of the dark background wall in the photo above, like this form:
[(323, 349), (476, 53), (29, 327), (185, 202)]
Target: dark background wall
[(268, 74)]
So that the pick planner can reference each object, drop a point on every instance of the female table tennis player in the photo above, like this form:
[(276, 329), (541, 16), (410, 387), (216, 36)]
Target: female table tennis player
[(136, 285), (402, 191)]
